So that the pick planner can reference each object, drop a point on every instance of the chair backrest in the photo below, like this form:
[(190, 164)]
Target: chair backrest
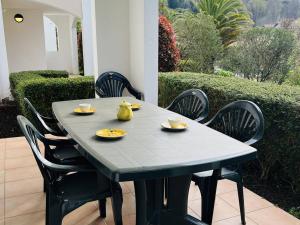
[(41, 119), (32, 136), (112, 84), (192, 104), (242, 120)]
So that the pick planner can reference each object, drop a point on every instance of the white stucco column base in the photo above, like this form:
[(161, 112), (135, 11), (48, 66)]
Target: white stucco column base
[(4, 72)]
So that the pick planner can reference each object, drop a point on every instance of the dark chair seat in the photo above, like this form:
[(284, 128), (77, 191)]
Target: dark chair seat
[(69, 187), (67, 155)]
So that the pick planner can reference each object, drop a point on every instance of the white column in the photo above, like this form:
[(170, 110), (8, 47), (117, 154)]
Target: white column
[(4, 72), (89, 38), (74, 45), (144, 47)]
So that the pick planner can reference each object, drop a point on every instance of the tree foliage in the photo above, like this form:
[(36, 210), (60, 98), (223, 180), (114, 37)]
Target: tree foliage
[(230, 16), (169, 54), (263, 54), (199, 41)]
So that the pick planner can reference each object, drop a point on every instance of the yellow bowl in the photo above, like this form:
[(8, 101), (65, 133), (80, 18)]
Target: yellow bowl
[(90, 111), (136, 106), (111, 133)]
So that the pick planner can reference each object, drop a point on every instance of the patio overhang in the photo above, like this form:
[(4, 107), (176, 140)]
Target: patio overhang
[(118, 35)]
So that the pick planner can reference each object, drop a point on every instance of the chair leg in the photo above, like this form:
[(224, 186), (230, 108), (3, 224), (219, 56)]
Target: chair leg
[(53, 210), (241, 200), (102, 208)]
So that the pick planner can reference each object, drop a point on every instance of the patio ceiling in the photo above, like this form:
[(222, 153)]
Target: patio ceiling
[(44, 6)]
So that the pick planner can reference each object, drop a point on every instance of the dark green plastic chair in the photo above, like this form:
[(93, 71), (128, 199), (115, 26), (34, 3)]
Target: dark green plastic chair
[(192, 104), (244, 121), (113, 84), (68, 186)]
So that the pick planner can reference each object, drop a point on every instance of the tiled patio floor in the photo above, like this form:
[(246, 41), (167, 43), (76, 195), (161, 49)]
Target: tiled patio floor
[(22, 201)]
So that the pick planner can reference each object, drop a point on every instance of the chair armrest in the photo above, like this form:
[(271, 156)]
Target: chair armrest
[(134, 92), (68, 168)]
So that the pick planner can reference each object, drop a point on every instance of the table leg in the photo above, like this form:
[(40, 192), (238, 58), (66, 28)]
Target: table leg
[(150, 207), (208, 189), (117, 202)]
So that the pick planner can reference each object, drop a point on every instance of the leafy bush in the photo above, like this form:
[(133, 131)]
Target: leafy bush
[(294, 77), (16, 78), (224, 73), (43, 91), (279, 150), (198, 40), (169, 55), (263, 54)]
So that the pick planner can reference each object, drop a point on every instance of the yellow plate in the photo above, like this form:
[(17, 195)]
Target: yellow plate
[(136, 106), (111, 133), (79, 111), (167, 126)]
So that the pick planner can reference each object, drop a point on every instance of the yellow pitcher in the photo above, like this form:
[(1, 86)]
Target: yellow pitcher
[(125, 112)]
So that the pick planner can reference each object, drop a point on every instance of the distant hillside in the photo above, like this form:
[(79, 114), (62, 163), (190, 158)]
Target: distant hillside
[(263, 11)]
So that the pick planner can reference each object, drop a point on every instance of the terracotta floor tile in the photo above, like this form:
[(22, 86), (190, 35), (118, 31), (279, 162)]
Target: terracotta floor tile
[(2, 150), (194, 192), (2, 191), (130, 185), (26, 204), (222, 209), (22, 173), (15, 139), (252, 201), (85, 215), (22, 187), (2, 164), (29, 219), (273, 216), (234, 221), (2, 202), (2, 173), (13, 163), (17, 152), (225, 186), (125, 188)]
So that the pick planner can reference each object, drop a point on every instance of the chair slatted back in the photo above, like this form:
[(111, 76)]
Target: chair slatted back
[(242, 120), (192, 104)]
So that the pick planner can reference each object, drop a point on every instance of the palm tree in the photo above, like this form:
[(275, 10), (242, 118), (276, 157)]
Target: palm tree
[(231, 17)]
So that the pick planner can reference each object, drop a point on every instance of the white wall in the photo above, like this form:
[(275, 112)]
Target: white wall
[(62, 59), (25, 41), (4, 74), (112, 24)]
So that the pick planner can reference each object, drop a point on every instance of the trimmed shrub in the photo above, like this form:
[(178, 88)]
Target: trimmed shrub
[(279, 150), (43, 91), (199, 41), (169, 55)]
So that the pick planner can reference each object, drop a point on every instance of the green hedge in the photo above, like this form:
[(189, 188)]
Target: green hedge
[(44, 87), (279, 151)]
